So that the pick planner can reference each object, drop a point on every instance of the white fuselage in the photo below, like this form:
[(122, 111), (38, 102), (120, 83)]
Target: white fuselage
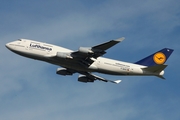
[(47, 52)]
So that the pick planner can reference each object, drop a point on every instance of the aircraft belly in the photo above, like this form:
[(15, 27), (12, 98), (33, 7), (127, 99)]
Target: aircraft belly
[(71, 64), (136, 71), (111, 70), (61, 62)]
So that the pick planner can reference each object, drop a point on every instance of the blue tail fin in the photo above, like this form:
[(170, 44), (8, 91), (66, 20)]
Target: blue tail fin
[(157, 58)]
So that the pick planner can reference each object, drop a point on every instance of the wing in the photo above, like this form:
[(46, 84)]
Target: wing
[(109, 44), (85, 56), (88, 77), (95, 51)]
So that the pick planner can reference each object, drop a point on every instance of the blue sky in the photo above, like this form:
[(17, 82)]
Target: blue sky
[(30, 89)]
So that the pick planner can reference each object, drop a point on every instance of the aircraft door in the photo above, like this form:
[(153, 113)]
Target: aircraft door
[(26, 45)]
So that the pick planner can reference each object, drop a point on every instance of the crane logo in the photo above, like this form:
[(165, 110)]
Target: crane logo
[(159, 58)]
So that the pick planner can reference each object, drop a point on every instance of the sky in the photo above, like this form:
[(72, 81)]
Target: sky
[(31, 90)]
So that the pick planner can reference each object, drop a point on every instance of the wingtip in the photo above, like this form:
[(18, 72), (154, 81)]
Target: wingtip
[(120, 39), (117, 81)]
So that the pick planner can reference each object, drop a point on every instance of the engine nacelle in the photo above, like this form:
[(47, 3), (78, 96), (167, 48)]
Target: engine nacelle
[(83, 78), (86, 50), (63, 55), (63, 71)]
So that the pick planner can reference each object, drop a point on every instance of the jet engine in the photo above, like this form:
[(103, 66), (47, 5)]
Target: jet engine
[(85, 50), (64, 55), (63, 71), (85, 79), (91, 51)]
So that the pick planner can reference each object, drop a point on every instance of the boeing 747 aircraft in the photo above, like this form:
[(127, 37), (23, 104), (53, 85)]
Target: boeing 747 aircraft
[(87, 60)]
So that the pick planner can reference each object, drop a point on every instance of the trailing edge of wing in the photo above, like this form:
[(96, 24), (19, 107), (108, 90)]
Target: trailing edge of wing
[(102, 79)]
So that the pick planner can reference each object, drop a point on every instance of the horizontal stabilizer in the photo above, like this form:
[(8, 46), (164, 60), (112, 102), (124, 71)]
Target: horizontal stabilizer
[(155, 69), (160, 76)]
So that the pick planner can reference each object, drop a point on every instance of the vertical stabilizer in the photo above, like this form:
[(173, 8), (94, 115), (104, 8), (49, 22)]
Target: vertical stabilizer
[(158, 58)]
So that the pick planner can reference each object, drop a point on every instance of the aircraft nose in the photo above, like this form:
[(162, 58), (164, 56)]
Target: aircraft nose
[(7, 45)]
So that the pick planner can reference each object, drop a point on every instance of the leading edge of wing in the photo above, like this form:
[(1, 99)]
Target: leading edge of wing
[(107, 45)]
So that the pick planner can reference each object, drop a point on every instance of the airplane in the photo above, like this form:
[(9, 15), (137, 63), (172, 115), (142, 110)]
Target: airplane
[(87, 60)]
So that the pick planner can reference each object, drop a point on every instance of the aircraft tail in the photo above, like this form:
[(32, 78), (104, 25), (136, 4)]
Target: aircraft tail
[(158, 58), (158, 69), (155, 69)]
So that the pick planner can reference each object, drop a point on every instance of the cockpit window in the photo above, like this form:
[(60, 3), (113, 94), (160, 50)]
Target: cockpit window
[(19, 40)]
